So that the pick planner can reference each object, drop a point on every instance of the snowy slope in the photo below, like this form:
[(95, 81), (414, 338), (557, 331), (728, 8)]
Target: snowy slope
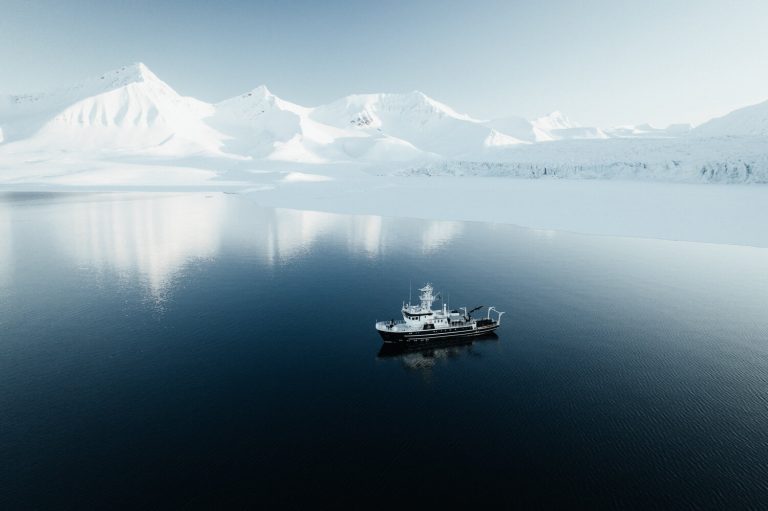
[(518, 128), (129, 110), (262, 125), (748, 121), (414, 118), (648, 131), (554, 126)]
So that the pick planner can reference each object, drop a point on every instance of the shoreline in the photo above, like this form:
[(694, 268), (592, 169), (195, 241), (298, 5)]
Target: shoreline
[(705, 213)]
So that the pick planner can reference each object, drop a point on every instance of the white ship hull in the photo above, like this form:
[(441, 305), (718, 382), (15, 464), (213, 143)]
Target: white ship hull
[(394, 335)]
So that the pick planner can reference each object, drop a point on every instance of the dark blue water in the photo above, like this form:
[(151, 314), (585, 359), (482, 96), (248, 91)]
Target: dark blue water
[(197, 350)]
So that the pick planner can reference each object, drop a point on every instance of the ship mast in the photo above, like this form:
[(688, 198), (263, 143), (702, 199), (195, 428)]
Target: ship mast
[(426, 297)]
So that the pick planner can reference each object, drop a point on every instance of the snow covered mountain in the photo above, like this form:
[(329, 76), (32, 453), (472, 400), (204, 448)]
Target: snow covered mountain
[(414, 118), (129, 113), (649, 131), (554, 126), (748, 121), (262, 125), (128, 110)]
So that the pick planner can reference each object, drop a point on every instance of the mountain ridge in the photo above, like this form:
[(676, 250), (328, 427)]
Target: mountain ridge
[(131, 112)]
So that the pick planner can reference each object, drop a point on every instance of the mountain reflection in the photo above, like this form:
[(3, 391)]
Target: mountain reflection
[(153, 236), (436, 234), (293, 232)]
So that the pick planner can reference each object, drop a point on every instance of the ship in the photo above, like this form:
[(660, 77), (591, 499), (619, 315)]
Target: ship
[(421, 323)]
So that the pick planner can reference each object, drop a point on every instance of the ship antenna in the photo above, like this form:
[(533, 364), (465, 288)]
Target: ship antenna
[(409, 293)]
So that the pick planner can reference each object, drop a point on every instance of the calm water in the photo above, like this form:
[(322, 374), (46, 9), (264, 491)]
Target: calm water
[(192, 350)]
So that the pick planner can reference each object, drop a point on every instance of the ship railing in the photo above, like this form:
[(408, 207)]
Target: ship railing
[(391, 322), (498, 312)]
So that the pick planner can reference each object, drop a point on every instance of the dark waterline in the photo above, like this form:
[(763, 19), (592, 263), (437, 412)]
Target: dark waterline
[(197, 350)]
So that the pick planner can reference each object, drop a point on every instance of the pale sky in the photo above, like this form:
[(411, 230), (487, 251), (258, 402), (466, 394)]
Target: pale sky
[(600, 62)]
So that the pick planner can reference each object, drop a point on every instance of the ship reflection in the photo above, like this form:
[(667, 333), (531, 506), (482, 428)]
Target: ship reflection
[(423, 357)]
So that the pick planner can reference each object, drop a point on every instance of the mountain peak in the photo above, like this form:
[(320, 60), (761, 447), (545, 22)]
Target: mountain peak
[(553, 121), (417, 97), (556, 115), (257, 101), (259, 92), (138, 72)]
